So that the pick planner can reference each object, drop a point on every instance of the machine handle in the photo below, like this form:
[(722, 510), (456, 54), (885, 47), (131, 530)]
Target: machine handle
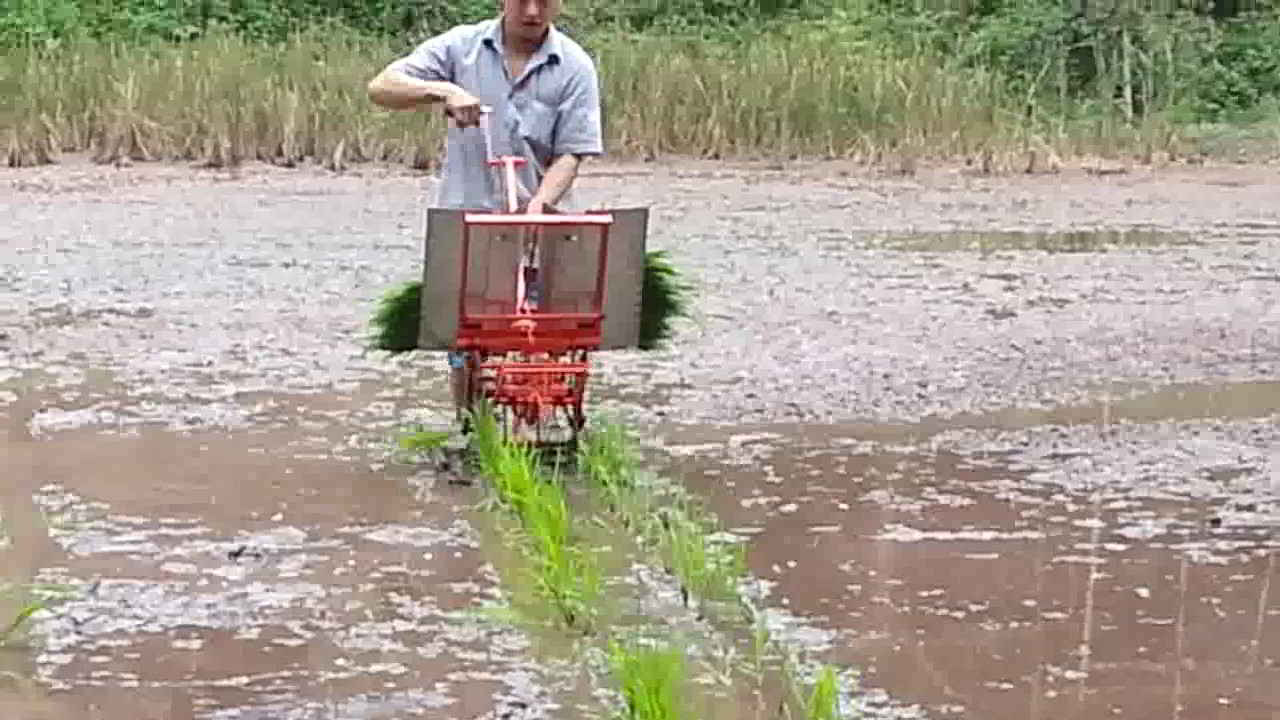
[(505, 165), (485, 112)]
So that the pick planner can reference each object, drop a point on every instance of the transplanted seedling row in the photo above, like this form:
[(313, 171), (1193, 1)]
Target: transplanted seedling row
[(556, 564), (669, 524), (565, 574), (560, 565), (681, 534)]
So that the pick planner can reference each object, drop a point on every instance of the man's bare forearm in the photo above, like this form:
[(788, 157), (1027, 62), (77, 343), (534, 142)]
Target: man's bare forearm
[(395, 90), (559, 178)]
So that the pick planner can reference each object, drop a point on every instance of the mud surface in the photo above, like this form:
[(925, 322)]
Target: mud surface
[(1009, 444), (251, 576), (973, 591)]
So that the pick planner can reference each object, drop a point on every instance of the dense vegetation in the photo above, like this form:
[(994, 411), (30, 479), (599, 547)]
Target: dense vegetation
[(282, 79), (404, 19)]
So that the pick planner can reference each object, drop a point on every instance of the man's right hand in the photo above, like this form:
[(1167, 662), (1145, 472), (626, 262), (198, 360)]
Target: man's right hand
[(463, 107)]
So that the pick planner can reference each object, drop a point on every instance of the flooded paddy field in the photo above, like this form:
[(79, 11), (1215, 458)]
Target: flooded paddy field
[(1002, 447)]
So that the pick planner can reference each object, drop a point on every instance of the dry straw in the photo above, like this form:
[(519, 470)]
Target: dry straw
[(221, 99)]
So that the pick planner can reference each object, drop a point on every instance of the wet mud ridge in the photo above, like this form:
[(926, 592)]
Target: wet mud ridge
[(1003, 447)]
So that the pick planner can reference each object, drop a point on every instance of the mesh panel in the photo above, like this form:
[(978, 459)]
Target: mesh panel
[(570, 268), (491, 270)]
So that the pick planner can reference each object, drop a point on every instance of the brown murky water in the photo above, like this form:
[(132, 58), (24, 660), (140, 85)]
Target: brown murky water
[(244, 575), (971, 591), (1079, 241)]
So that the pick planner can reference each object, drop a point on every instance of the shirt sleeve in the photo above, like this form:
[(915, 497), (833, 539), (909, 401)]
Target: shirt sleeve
[(431, 61), (579, 129)]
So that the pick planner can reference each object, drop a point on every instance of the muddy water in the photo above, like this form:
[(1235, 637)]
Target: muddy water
[(1079, 241), (978, 593), (217, 576)]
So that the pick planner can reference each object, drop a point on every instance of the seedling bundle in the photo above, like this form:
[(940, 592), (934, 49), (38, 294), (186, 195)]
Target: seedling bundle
[(665, 298)]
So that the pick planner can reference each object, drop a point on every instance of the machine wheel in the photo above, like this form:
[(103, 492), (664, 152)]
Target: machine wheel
[(553, 427)]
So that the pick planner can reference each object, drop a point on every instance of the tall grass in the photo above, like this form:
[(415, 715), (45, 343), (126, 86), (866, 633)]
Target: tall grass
[(805, 95), (817, 92), (219, 100)]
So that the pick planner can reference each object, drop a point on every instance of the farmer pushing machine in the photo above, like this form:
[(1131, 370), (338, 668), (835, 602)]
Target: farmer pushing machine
[(516, 289)]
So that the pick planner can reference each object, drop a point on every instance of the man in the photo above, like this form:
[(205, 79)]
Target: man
[(544, 93)]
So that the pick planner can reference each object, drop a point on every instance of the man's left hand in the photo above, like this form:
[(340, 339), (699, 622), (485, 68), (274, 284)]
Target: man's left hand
[(539, 207)]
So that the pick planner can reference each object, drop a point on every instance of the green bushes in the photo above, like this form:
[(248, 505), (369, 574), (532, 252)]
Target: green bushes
[(403, 20), (1055, 61), (1242, 70), (41, 21)]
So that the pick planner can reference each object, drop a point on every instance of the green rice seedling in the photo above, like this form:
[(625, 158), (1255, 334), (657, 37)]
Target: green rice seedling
[(567, 573), (486, 439), (760, 640), (561, 571), (516, 481), (611, 461), (823, 702), (23, 615), (651, 680), (664, 298), (568, 576), (397, 317), (707, 571), (791, 695), (606, 455), (421, 441), (687, 556), (30, 599)]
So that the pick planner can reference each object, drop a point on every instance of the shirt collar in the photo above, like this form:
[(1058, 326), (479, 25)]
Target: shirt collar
[(550, 50)]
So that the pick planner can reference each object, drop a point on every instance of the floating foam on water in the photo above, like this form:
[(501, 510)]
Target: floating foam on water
[(414, 536), (904, 533)]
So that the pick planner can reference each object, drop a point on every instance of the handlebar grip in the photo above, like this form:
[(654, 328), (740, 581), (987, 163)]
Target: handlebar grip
[(484, 110)]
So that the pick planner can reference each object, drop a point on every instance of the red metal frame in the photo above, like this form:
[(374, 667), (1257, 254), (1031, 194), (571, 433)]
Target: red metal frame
[(603, 219), (532, 365)]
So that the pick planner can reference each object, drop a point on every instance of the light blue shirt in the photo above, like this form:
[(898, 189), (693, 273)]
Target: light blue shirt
[(552, 109)]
